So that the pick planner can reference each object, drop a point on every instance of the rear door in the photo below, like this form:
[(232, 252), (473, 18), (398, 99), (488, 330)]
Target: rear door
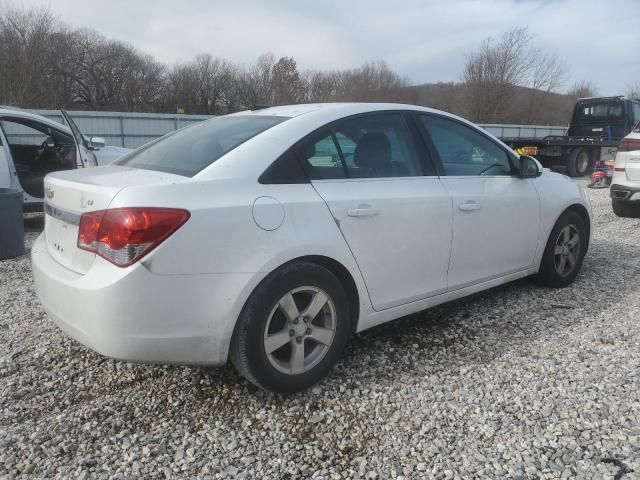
[(86, 157), (496, 215), (391, 208)]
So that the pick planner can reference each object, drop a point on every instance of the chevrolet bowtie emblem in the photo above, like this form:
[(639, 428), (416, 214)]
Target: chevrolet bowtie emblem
[(49, 193)]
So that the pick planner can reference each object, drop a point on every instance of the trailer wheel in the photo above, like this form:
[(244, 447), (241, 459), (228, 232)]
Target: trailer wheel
[(579, 162)]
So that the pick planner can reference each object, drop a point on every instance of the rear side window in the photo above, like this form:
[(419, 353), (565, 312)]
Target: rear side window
[(372, 146), (188, 151)]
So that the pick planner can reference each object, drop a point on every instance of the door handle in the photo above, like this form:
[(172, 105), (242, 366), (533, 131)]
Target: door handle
[(363, 211), (469, 206)]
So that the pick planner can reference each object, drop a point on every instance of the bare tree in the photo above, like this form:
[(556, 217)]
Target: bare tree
[(583, 89), (547, 73), (26, 56), (633, 91), (286, 84), (492, 72), (254, 82)]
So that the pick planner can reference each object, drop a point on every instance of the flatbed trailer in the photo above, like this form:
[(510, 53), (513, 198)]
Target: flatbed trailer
[(597, 126)]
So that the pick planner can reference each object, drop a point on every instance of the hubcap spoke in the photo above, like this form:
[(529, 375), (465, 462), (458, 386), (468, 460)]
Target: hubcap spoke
[(321, 335), (558, 250), (288, 306), (277, 340), (319, 300), (575, 238), (571, 259), (297, 357), (562, 264)]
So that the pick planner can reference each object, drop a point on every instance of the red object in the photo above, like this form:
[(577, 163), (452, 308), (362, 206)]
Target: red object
[(629, 144), (597, 176), (619, 169), (125, 235)]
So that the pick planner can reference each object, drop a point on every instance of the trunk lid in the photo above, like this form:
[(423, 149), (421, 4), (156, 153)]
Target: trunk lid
[(69, 194)]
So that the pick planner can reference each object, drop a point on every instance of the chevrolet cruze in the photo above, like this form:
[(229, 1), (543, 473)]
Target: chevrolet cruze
[(268, 237)]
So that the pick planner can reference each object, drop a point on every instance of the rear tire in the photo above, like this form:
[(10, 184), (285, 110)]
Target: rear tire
[(564, 252), (292, 328), (579, 163), (625, 209)]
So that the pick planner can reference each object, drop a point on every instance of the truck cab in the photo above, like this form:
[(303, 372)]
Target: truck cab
[(611, 117)]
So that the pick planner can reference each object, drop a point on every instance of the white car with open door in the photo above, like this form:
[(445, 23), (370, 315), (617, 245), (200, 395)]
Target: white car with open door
[(269, 236), (31, 146)]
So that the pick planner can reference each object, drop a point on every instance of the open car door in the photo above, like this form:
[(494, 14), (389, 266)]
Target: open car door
[(86, 157)]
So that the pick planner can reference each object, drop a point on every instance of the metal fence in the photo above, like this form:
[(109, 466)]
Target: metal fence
[(134, 129), (125, 129)]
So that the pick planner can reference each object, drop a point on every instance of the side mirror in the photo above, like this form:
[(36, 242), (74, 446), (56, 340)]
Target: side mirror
[(96, 143), (529, 167), (49, 142)]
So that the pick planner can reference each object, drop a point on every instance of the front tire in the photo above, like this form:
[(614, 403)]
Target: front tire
[(579, 162), (625, 209), (292, 328), (564, 252)]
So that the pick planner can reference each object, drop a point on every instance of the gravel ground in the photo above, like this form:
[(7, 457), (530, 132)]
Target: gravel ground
[(518, 382)]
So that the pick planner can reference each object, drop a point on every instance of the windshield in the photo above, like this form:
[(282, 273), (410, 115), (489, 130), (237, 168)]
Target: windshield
[(599, 112), (190, 150)]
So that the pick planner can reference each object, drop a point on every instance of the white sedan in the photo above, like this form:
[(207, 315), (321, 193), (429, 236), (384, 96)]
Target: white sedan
[(270, 236)]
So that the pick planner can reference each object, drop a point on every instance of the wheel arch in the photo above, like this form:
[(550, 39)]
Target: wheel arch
[(584, 214), (343, 275)]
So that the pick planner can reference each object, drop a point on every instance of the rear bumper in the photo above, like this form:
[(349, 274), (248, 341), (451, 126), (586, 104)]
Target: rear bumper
[(624, 192), (135, 315)]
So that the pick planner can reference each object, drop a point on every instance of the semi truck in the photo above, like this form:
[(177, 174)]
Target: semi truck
[(597, 126)]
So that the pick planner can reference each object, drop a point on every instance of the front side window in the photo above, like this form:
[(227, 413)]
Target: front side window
[(372, 146), (463, 151), (192, 149)]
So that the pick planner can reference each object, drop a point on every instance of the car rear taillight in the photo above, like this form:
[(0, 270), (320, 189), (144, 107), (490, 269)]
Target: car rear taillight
[(629, 144), (125, 235)]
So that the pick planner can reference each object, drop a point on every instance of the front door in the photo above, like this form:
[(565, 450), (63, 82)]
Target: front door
[(85, 153), (36, 149), (392, 210), (496, 215)]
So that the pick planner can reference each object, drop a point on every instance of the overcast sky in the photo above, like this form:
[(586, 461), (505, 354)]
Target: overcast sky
[(426, 40)]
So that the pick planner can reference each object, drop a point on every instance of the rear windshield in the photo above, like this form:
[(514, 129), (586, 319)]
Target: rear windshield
[(190, 150), (599, 112)]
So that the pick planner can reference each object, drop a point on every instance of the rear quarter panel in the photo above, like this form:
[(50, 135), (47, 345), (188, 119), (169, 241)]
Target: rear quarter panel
[(222, 236)]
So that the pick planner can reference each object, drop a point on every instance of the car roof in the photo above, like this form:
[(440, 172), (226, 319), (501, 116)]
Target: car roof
[(23, 114), (340, 108), (253, 156)]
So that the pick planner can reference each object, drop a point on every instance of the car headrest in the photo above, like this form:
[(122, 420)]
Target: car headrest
[(373, 151)]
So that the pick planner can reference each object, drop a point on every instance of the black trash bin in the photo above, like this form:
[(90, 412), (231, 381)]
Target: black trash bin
[(11, 223)]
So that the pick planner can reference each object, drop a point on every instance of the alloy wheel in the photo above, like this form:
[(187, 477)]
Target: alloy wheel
[(567, 250), (300, 330)]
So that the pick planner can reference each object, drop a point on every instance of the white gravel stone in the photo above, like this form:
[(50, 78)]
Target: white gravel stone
[(518, 382)]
